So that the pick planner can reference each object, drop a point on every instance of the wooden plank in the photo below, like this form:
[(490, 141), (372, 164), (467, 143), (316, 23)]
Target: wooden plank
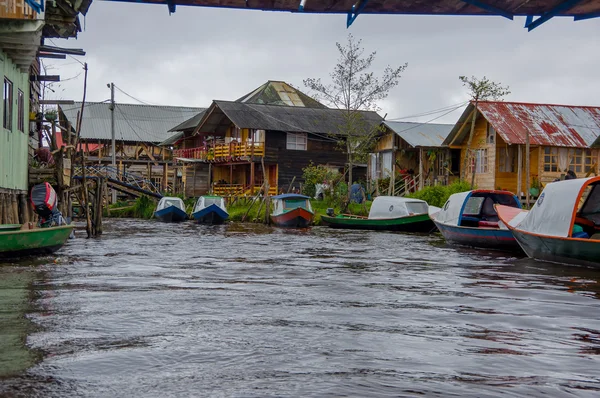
[(60, 50), (56, 102), (44, 78), (51, 55)]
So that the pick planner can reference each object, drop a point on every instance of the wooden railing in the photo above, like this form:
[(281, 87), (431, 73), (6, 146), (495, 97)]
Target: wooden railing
[(222, 153), (240, 190), (16, 9)]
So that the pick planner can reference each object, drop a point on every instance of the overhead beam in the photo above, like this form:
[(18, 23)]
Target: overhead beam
[(59, 50), (586, 16), (490, 8), (44, 78), (50, 55), (352, 15), (564, 6), (56, 102)]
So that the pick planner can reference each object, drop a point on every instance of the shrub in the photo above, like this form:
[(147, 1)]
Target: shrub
[(438, 195), (143, 207), (316, 175)]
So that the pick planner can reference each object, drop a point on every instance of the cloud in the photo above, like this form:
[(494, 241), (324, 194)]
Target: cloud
[(200, 54)]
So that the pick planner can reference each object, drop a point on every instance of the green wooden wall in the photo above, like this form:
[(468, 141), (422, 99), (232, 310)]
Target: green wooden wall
[(14, 143)]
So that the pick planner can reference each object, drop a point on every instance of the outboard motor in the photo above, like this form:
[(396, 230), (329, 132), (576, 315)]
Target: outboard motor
[(43, 199), (44, 202)]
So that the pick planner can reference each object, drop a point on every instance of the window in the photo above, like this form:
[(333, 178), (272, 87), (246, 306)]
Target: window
[(480, 161), (506, 159), (581, 161), (386, 164), (296, 141), (551, 159), (7, 98), (491, 134), (20, 111)]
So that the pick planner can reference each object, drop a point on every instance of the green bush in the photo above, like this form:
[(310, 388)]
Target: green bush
[(143, 207), (316, 175), (438, 195)]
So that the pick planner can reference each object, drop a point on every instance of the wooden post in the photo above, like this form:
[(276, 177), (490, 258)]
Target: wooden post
[(267, 197), (210, 186), (149, 172), (99, 197), (2, 220), (421, 168), (519, 171), (527, 167), (252, 170), (165, 181), (24, 209)]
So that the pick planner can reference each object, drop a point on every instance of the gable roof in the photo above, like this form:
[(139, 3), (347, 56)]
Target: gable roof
[(133, 123), (420, 134), (280, 93), (189, 123), (275, 117), (548, 125)]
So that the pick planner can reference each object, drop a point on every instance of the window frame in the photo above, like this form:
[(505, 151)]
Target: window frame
[(550, 159), (293, 144), (7, 103), (503, 153), (21, 111), (581, 161), (481, 160), (490, 137)]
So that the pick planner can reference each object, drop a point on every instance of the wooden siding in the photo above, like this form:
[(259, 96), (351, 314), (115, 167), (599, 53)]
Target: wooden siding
[(482, 180), (14, 143), (195, 179), (386, 142), (321, 151)]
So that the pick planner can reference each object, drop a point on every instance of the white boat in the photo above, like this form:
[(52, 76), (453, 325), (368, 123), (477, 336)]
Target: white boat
[(170, 209), (563, 225), (210, 210)]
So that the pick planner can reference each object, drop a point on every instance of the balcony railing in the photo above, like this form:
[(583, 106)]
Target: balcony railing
[(240, 190), (222, 153), (16, 9)]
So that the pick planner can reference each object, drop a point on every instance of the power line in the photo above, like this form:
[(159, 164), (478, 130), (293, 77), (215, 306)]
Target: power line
[(429, 121), (432, 112)]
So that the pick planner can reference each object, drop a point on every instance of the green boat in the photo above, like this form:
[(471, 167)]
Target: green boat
[(15, 242), (388, 213)]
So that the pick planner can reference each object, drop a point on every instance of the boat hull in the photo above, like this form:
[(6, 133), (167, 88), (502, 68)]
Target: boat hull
[(21, 243), (487, 238), (212, 214), (416, 223), (297, 218), (562, 250), (171, 214)]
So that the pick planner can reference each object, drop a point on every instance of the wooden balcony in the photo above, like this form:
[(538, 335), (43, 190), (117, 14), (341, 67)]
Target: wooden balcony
[(240, 190), (223, 153), (16, 9)]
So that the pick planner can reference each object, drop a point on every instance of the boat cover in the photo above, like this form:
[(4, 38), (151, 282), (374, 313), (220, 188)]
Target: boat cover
[(553, 212), (450, 213), (396, 207), (205, 201), (286, 202), (169, 201)]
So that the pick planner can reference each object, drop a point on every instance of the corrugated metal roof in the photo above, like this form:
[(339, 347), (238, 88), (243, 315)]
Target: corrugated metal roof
[(548, 125), (421, 134), (276, 117), (190, 123), (140, 123), (280, 93)]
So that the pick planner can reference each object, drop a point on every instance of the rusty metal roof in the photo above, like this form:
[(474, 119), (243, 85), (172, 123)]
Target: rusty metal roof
[(420, 134), (548, 125)]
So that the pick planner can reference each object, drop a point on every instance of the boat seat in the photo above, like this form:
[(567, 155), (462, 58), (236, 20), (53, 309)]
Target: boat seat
[(488, 224)]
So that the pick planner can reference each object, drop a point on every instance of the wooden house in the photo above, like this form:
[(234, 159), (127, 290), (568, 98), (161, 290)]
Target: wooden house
[(138, 131), (414, 151), (561, 138), (275, 124), (238, 138)]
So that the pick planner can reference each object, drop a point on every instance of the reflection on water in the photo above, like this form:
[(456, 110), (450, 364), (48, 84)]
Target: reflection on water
[(155, 309)]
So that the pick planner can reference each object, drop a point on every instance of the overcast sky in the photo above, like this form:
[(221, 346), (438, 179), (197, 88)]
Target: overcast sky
[(199, 54)]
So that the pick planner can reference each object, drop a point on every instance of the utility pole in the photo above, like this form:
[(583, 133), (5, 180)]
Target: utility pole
[(112, 135)]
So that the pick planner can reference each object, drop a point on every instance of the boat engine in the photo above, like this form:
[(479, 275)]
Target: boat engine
[(44, 202)]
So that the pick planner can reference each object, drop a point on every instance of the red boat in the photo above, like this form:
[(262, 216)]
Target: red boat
[(292, 211)]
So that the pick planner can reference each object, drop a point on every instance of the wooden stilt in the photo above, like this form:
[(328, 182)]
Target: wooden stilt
[(2, 220), (24, 209)]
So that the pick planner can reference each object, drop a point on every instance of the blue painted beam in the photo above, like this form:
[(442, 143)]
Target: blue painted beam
[(171, 5), (586, 16), (301, 6), (355, 12), (564, 6), (528, 20), (37, 7), (492, 9)]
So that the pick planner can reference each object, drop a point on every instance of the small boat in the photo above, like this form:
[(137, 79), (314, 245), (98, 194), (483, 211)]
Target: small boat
[(292, 210), (210, 210), (388, 213), (563, 225), (170, 209), (18, 242), (470, 219)]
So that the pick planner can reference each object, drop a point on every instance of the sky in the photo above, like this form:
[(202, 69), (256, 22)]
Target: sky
[(199, 54)]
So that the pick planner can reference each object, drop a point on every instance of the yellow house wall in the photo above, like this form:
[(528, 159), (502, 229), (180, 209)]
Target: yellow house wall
[(386, 142), (482, 180)]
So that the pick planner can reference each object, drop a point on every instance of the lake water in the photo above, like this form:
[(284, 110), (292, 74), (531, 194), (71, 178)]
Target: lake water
[(172, 310)]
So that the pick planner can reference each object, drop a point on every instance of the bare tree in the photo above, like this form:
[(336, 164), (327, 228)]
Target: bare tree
[(479, 90), (354, 88)]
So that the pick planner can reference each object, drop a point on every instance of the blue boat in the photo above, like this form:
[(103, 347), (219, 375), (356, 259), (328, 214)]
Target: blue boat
[(210, 210), (170, 209), (470, 219)]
